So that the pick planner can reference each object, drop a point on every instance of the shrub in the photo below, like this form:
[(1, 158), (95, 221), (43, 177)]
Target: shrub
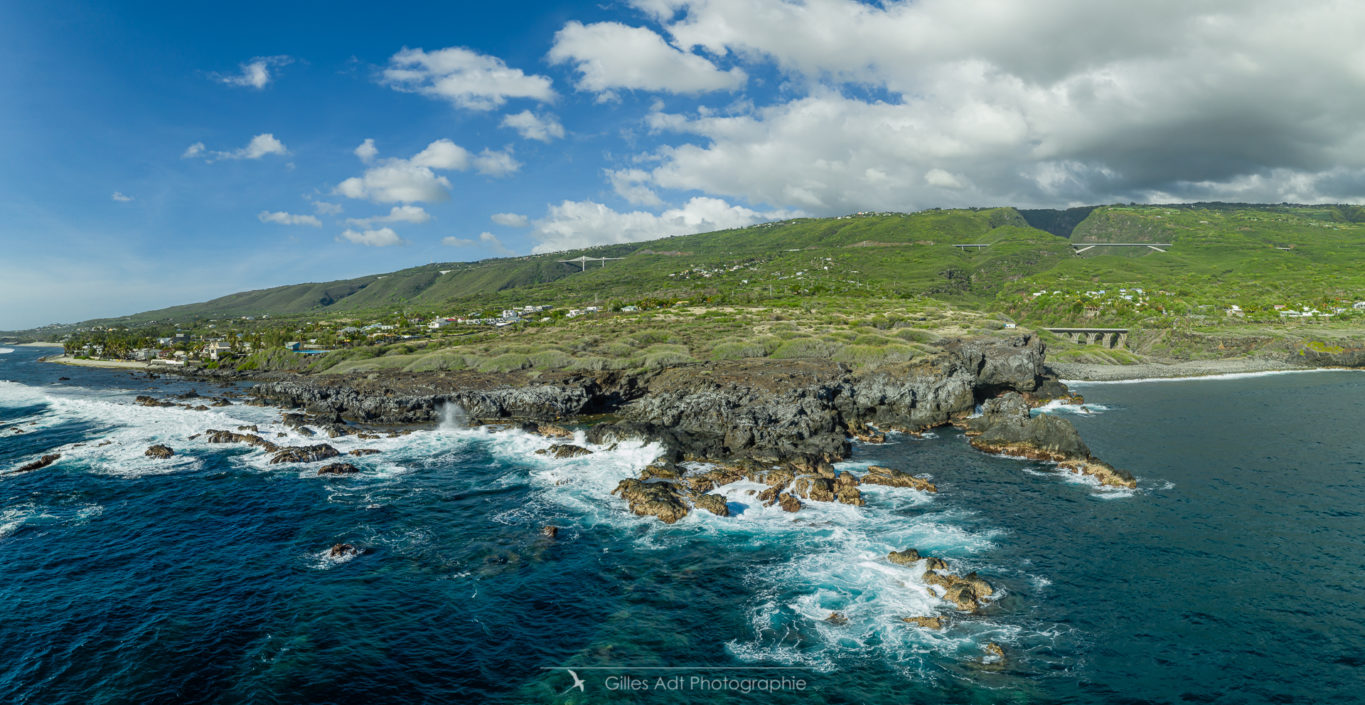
[(914, 335), (738, 350), (875, 355), (599, 364), (651, 335), (438, 361), (507, 362), (551, 359), (805, 347), (616, 350), (665, 358)]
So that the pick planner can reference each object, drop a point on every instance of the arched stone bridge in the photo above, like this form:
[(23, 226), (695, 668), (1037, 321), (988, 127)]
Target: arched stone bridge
[(1108, 337)]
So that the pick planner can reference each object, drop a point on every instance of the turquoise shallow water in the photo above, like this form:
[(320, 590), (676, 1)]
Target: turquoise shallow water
[(1231, 575)]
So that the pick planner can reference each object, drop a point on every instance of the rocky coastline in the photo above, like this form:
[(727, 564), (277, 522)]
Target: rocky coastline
[(752, 416), (778, 410)]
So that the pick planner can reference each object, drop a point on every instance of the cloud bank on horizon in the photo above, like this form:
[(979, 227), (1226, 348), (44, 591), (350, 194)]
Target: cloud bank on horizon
[(666, 117)]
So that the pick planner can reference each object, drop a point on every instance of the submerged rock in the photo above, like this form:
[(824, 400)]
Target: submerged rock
[(878, 475), (836, 619), (849, 494), (934, 622), (550, 430), (1104, 472), (816, 489), (338, 469), (995, 653), (713, 503), (358, 452), (159, 451), (549, 532), (660, 469), (304, 454), (144, 400), (217, 436), (334, 430), (40, 463), (905, 557), (657, 499), (343, 550), (788, 503), (564, 450), (965, 592)]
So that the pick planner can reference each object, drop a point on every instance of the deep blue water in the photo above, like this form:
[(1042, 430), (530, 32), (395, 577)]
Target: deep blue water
[(1231, 575)]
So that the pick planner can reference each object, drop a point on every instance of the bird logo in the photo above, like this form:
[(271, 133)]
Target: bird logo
[(577, 683)]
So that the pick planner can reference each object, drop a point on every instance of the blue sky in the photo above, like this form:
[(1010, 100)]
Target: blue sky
[(162, 153)]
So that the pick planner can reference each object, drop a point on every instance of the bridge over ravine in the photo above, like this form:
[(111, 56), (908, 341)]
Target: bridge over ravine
[(1108, 337), (1080, 247)]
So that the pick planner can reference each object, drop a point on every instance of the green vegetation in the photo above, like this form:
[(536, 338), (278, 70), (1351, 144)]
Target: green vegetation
[(865, 290)]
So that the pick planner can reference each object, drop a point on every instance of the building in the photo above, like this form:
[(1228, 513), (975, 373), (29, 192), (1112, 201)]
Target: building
[(214, 348), (293, 346)]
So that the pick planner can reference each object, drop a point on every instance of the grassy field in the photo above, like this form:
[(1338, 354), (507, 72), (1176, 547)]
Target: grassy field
[(864, 289)]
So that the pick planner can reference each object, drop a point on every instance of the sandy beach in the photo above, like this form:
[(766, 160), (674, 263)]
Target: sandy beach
[(1082, 372), (37, 345), (114, 364)]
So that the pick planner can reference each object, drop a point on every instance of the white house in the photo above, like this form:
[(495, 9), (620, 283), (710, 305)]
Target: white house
[(216, 348)]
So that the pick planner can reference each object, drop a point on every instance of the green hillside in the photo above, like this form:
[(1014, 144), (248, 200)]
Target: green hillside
[(1255, 256)]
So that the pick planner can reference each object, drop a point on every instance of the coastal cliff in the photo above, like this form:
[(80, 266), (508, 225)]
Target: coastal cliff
[(760, 409)]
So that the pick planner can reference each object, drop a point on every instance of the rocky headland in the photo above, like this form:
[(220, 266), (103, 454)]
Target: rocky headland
[(779, 423)]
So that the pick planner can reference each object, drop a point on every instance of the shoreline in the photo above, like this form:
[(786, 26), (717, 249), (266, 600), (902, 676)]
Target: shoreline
[(109, 364), (1077, 372), (36, 345)]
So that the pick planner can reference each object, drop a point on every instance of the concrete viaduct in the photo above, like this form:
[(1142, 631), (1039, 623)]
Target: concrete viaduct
[(1108, 337)]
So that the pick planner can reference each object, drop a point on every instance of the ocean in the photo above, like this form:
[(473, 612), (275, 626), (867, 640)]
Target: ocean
[(1232, 574)]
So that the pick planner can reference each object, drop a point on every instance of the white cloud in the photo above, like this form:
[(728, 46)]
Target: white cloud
[(443, 154), (903, 105), (121, 197), (534, 127), (496, 164), (611, 55), (464, 77), (255, 73), (397, 214), (511, 220), (577, 224), (325, 208), (261, 145), (258, 147), (284, 218), (367, 151), (629, 184), (383, 237), (942, 179), (453, 241), (492, 242), (415, 180), (397, 181)]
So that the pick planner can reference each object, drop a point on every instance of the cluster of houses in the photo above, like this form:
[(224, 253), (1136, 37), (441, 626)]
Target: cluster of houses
[(1096, 301), (508, 317), (1308, 311)]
